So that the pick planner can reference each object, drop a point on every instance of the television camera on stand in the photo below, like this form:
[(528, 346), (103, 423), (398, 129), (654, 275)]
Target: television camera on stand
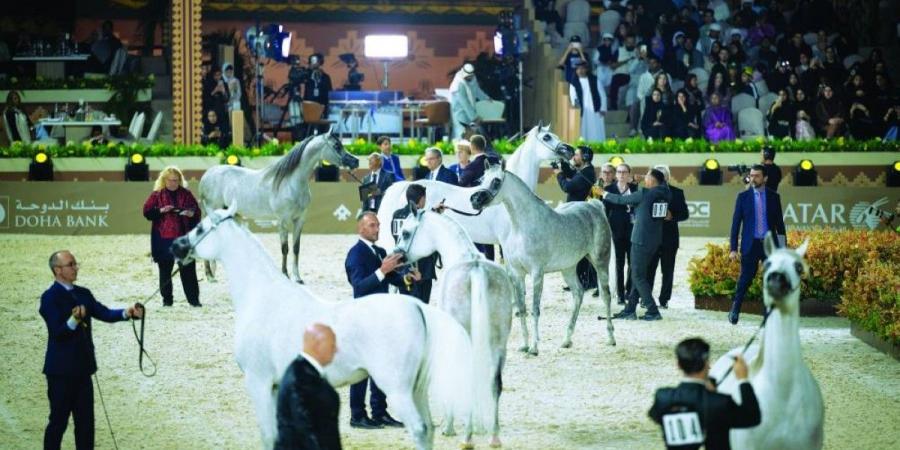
[(354, 77), (271, 42)]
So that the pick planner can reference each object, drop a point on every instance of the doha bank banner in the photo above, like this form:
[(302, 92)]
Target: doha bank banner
[(103, 208)]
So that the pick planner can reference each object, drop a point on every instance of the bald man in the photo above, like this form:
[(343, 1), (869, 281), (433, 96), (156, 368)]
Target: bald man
[(307, 404)]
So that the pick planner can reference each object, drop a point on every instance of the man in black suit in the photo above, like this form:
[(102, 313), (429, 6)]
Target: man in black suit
[(308, 406), (773, 172), (621, 220), (423, 268), (756, 212), (69, 362), (434, 160), (380, 179), (695, 404), (665, 258), (471, 176), (369, 271)]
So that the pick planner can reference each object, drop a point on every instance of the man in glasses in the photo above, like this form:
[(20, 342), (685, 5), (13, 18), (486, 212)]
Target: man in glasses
[(69, 363)]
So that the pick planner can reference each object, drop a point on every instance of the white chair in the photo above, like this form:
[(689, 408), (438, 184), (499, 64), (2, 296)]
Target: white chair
[(609, 21), (741, 102), (850, 60), (137, 126), (810, 38), (490, 109), (154, 128), (133, 122), (118, 62), (702, 77), (761, 87), (766, 101), (751, 123)]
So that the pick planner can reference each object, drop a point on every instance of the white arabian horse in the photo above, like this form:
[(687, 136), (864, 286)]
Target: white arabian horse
[(472, 290), (789, 397), (411, 350), (490, 226), (280, 191), (543, 240)]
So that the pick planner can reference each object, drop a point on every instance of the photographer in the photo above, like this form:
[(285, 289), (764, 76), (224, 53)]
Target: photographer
[(317, 84), (576, 182), (696, 403)]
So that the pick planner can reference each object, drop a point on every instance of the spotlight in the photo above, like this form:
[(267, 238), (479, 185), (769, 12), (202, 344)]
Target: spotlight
[(41, 168), (805, 174), (710, 173), (136, 169), (616, 160), (327, 172), (233, 160), (893, 175)]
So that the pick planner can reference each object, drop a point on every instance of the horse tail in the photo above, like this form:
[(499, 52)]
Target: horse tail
[(446, 371), (483, 364)]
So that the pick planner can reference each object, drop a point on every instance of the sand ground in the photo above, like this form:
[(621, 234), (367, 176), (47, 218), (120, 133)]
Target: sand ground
[(591, 396)]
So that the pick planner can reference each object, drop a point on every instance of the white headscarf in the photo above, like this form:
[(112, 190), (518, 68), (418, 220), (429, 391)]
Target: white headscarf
[(459, 82)]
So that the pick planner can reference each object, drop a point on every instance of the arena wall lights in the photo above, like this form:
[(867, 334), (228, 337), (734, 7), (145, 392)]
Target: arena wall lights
[(136, 169), (40, 168), (233, 160), (616, 160), (711, 173), (386, 47), (327, 172), (893, 175), (805, 174)]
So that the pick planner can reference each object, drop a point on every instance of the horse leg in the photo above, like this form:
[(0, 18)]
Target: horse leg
[(537, 284), (571, 277), (262, 395), (298, 229), (412, 408), (283, 236), (498, 389), (521, 311), (601, 266), (210, 268)]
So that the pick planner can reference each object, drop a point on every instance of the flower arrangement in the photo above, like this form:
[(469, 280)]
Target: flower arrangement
[(871, 299)]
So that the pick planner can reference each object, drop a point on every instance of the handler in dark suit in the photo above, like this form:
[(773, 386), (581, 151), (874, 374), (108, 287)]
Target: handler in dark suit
[(697, 402), (577, 182), (380, 178), (369, 271), (308, 406), (620, 222), (423, 268), (759, 210), (471, 175), (650, 208), (434, 160), (69, 363), (678, 212)]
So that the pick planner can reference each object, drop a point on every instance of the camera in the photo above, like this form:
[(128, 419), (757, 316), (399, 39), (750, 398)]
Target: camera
[(298, 74), (554, 165), (742, 169)]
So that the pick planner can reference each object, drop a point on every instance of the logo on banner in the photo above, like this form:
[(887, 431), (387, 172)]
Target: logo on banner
[(4, 206), (865, 214), (342, 213), (698, 214)]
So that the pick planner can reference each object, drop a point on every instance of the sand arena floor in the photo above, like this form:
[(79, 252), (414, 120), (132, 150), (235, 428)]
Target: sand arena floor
[(588, 397)]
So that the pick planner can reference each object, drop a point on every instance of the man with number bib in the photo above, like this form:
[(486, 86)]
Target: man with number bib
[(693, 414), (650, 207)]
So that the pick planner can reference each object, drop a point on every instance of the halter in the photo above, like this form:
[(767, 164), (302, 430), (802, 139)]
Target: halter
[(491, 191), (215, 224), (405, 248)]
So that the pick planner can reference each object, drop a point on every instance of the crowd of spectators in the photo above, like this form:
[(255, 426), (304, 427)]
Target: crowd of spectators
[(725, 69)]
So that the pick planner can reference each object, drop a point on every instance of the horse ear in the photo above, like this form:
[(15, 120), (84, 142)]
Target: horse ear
[(547, 128), (331, 129), (801, 250), (232, 208), (769, 244), (540, 124)]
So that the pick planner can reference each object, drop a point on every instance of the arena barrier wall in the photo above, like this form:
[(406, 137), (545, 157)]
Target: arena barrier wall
[(105, 208)]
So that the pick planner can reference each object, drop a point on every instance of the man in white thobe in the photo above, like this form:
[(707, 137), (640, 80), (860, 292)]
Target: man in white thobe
[(464, 92), (588, 94)]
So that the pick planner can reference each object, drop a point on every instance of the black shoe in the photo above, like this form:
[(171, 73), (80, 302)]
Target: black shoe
[(196, 304), (365, 423), (167, 304), (387, 421), (664, 304), (621, 301), (652, 316), (733, 317), (596, 293), (625, 315), (566, 288)]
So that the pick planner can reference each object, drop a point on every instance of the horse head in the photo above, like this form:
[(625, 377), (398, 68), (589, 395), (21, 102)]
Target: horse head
[(547, 145), (781, 274), (202, 241), (409, 241), (489, 190), (335, 153)]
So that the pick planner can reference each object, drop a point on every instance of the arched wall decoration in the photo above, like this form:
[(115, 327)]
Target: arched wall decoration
[(187, 106)]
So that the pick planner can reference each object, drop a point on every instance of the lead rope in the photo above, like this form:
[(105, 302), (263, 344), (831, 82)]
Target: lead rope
[(441, 205), (752, 338)]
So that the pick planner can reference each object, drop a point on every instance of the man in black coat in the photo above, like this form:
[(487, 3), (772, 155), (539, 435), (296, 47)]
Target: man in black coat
[(434, 160), (621, 219), (421, 289), (772, 172), (695, 410), (69, 362), (678, 212), (577, 182), (308, 406)]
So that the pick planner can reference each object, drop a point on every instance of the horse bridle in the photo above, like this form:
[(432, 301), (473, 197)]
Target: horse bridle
[(215, 224)]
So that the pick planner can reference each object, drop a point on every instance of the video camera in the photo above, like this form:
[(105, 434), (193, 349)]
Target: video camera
[(564, 166), (743, 170)]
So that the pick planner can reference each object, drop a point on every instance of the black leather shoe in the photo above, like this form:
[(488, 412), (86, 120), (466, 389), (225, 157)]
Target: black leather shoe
[(664, 304), (652, 316), (387, 421), (167, 304), (196, 304), (733, 317), (625, 315), (365, 423)]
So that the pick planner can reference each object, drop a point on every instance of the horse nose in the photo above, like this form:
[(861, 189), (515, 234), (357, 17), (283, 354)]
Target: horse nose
[(180, 247), (478, 199), (351, 161), (777, 283)]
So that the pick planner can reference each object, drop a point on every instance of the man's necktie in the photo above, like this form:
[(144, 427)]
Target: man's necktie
[(759, 215)]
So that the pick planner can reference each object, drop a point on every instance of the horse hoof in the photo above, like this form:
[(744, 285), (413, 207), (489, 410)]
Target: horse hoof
[(466, 445), (495, 442), (448, 432), (611, 342), (533, 352), (566, 344), (299, 281), (523, 349)]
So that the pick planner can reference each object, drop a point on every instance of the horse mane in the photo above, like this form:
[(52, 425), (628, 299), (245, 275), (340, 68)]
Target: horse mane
[(286, 166)]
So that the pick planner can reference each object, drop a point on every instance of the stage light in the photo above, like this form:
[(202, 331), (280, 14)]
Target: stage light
[(233, 160), (327, 172), (386, 47), (710, 173), (893, 175), (616, 160), (805, 174), (40, 168), (136, 169)]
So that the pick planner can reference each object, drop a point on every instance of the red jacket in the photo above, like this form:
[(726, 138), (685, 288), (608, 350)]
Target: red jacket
[(172, 225)]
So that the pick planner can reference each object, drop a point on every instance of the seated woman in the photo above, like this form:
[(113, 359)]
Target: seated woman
[(655, 121), (214, 132), (685, 118), (717, 120), (781, 116), (17, 123), (829, 114)]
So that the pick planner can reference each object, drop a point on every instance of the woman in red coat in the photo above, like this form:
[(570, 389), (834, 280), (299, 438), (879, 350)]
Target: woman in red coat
[(174, 212)]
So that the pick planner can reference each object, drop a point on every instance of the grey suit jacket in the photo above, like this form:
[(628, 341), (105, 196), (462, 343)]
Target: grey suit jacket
[(647, 231)]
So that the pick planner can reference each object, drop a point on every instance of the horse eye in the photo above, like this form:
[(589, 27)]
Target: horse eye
[(405, 234), (495, 184), (798, 267), (547, 137), (766, 265)]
